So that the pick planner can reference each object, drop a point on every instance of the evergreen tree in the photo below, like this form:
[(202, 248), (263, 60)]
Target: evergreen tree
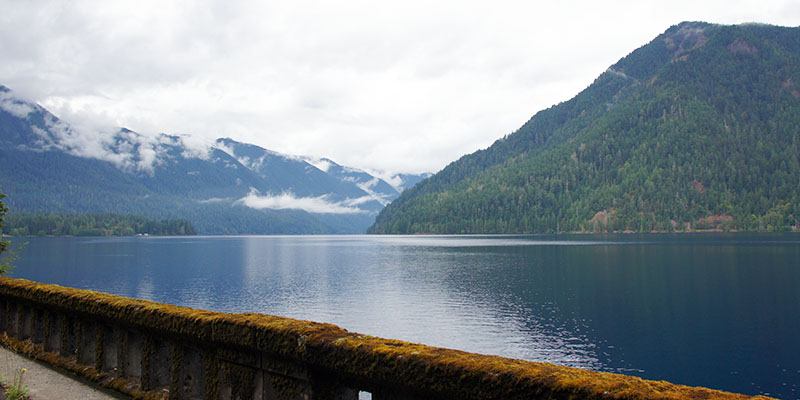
[(3, 210), (108, 224), (7, 257)]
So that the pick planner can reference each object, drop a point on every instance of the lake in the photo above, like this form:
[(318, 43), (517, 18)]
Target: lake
[(714, 310)]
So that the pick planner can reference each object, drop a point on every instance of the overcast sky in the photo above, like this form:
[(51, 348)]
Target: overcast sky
[(404, 86)]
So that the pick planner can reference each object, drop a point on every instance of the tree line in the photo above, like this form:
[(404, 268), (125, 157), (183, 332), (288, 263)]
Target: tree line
[(105, 224)]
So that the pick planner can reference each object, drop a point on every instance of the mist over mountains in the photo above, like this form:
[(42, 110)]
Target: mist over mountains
[(697, 129), (223, 187)]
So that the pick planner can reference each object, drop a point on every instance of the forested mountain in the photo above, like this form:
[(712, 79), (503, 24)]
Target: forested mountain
[(226, 187), (698, 129)]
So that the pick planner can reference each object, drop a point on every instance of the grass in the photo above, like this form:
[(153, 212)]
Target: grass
[(16, 390)]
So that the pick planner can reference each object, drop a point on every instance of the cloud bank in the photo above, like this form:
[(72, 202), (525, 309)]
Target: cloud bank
[(13, 106), (410, 85), (128, 150), (288, 201)]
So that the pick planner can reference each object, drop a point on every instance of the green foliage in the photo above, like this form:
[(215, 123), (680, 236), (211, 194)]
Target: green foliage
[(3, 211), (94, 225), (16, 390), (5, 265), (7, 256), (696, 130)]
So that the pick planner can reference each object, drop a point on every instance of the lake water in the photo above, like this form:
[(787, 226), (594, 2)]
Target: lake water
[(715, 310)]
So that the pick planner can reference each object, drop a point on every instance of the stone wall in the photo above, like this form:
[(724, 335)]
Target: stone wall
[(148, 350)]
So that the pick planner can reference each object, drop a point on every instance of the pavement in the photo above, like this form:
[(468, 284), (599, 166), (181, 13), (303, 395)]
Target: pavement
[(45, 383)]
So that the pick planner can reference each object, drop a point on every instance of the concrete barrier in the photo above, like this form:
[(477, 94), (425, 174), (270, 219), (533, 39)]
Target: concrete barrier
[(149, 350)]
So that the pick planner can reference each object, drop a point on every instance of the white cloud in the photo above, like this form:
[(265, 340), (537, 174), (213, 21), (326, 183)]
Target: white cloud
[(403, 87), (319, 163), (366, 199), (129, 151), (288, 201), (195, 146), (9, 104), (136, 153), (225, 149), (393, 179), (367, 187), (215, 200)]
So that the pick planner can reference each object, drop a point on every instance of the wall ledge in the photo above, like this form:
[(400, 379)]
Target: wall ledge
[(231, 348)]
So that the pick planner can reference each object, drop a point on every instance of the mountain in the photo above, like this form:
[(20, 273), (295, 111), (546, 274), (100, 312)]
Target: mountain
[(226, 187), (697, 129), (410, 180)]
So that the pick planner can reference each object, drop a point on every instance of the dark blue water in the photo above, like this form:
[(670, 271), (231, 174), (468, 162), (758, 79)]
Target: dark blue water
[(715, 310)]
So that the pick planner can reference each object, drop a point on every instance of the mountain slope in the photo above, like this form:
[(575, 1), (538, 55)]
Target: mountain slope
[(227, 187), (697, 129)]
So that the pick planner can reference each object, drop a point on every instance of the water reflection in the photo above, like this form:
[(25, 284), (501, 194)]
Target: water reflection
[(418, 293)]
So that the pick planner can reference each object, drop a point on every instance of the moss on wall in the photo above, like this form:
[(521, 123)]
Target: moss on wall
[(369, 362), (211, 368), (37, 352), (99, 349), (147, 357)]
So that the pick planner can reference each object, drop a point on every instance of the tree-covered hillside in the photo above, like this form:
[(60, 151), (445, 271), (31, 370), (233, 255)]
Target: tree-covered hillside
[(698, 129), (94, 225)]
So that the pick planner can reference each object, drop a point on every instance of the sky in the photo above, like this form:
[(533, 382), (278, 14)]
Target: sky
[(402, 86)]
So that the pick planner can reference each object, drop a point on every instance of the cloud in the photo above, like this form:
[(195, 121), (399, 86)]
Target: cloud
[(366, 199), (410, 85), (215, 200), (127, 150), (13, 106), (393, 179), (288, 201), (190, 146), (372, 195), (319, 163)]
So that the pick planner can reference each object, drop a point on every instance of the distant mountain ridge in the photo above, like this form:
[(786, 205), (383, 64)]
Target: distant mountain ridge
[(699, 129), (226, 187)]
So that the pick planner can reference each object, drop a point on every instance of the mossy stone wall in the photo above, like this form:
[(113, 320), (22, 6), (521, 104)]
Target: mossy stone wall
[(150, 350)]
